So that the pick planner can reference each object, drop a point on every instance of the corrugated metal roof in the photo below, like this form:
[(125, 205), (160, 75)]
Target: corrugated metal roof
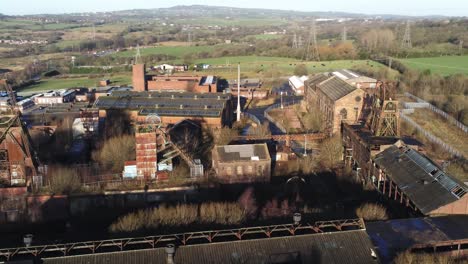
[(337, 247), (393, 236), (335, 88), (419, 178)]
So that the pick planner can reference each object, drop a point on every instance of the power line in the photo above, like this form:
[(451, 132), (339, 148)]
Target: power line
[(137, 55), (312, 41), (406, 44), (294, 42)]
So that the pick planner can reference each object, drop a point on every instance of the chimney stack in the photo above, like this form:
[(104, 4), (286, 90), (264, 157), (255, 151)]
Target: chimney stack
[(170, 251)]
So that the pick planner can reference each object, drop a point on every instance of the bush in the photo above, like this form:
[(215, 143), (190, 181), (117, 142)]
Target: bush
[(63, 180), (180, 215), (115, 152), (331, 152), (372, 212)]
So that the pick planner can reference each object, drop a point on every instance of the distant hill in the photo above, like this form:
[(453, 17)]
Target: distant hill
[(197, 11)]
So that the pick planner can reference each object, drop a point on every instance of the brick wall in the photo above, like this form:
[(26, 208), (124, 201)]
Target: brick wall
[(139, 77)]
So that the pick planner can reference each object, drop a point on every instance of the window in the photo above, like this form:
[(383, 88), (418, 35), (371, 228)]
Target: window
[(239, 170), (250, 169), (228, 171), (344, 114)]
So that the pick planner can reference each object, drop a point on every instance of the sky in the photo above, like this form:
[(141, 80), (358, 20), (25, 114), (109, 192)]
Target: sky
[(397, 7)]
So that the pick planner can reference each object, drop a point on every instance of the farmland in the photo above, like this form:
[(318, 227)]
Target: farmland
[(441, 65), (176, 51)]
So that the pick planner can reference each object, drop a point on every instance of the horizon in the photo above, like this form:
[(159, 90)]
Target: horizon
[(365, 7)]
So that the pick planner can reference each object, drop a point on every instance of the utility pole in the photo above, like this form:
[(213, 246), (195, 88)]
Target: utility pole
[(94, 31), (406, 44), (137, 55), (238, 94), (344, 37), (190, 38), (299, 42), (460, 47)]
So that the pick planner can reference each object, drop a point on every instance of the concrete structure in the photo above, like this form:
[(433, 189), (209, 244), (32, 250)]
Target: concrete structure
[(56, 97), (355, 79), (297, 84), (242, 163), (139, 77), (338, 101), (407, 176)]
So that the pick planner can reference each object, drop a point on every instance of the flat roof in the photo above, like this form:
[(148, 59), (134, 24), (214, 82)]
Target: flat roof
[(246, 152)]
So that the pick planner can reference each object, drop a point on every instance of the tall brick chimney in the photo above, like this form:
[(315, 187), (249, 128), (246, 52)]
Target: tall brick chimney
[(139, 77)]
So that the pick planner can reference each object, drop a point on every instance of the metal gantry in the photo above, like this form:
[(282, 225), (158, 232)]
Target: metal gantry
[(202, 237)]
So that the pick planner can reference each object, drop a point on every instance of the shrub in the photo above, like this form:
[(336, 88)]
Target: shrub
[(115, 152), (372, 212), (412, 258), (63, 180), (180, 215)]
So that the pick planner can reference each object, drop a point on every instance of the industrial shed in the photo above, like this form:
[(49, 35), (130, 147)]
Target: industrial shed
[(406, 175), (337, 247)]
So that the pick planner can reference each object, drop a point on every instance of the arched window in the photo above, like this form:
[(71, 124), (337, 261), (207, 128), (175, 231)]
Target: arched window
[(344, 114)]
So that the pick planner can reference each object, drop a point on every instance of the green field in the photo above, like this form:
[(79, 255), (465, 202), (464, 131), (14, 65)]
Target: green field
[(258, 66), (267, 36), (233, 22), (57, 84), (442, 65), (176, 51)]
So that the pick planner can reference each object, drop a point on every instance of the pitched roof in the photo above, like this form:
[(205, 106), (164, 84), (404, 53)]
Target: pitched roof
[(229, 153), (298, 81), (337, 247), (427, 186), (316, 79), (335, 88)]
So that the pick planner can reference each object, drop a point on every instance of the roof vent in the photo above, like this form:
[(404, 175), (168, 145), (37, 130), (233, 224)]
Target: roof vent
[(172, 96), (206, 107), (219, 97), (196, 97), (181, 106)]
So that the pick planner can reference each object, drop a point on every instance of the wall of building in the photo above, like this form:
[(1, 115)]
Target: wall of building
[(351, 105), (458, 207), (243, 171)]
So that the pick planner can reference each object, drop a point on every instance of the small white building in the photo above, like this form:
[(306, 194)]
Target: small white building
[(297, 84)]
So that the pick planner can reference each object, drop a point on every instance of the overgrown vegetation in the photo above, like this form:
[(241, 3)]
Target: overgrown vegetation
[(222, 213), (331, 151), (62, 180), (114, 152), (417, 258), (372, 212)]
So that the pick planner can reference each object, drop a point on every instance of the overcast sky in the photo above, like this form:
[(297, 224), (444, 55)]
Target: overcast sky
[(399, 7)]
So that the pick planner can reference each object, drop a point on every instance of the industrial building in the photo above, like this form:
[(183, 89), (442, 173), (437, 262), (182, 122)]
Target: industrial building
[(211, 109), (297, 84), (56, 97), (355, 79), (242, 163), (337, 100), (197, 84), (407, 176)]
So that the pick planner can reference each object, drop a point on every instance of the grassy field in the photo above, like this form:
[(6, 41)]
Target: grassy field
[(271, 67), (442, 65), (442, 129), (267, 36), (177, 51), (56, 83)]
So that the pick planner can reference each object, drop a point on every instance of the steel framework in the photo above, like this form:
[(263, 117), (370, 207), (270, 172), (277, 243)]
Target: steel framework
[(202, 237), (384, 121)]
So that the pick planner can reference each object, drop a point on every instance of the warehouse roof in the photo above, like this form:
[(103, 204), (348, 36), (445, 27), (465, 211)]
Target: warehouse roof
[(229, 153), (337, 247), (391, 237), (316, 79), (426, 185), (335, 88)]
